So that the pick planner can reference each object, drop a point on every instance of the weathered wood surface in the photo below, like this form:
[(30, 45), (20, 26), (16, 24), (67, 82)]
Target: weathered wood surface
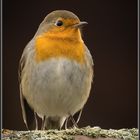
[(87, 133)]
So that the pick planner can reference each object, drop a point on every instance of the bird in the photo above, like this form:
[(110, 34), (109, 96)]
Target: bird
[(55, 71)]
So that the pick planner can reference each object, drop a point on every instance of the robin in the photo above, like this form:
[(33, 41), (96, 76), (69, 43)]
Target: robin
[(56, 71)]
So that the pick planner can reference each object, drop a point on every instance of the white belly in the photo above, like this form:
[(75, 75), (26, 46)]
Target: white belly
[(57, 87)]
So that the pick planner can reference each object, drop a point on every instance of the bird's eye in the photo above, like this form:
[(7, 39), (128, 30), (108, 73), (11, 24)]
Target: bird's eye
[(59, 23)]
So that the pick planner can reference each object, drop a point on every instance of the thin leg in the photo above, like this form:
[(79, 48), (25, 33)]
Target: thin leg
[(73, 121), (36, 121), (43, 123), (27, 126), (80, 113), (66, 123)]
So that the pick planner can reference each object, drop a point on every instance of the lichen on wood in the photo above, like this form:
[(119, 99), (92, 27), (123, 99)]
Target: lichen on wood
[(71, 134)]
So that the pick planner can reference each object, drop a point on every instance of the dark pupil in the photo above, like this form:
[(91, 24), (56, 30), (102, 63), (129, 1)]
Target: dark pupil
[(59, 23)]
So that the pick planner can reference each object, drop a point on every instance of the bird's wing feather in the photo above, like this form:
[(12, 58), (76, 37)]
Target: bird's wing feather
[(27, 112), (89, 56)]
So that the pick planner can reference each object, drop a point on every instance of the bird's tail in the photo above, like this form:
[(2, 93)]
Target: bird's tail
[(54, 122)]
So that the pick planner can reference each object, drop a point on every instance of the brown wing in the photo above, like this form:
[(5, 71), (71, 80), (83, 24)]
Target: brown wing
[(27, 112)]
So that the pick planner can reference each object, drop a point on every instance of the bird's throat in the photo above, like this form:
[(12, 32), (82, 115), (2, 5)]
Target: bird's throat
[(51, 46)]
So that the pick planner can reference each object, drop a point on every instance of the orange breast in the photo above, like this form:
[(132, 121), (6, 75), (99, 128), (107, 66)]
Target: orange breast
[(47, 47)]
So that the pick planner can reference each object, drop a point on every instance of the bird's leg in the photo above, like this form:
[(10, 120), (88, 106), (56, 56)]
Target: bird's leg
[(43, 123), (80, 113), (66, 123), (73, 121), (36, 121), (27, 126)]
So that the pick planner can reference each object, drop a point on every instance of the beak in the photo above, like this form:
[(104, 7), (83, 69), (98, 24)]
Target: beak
[(79, 25)]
